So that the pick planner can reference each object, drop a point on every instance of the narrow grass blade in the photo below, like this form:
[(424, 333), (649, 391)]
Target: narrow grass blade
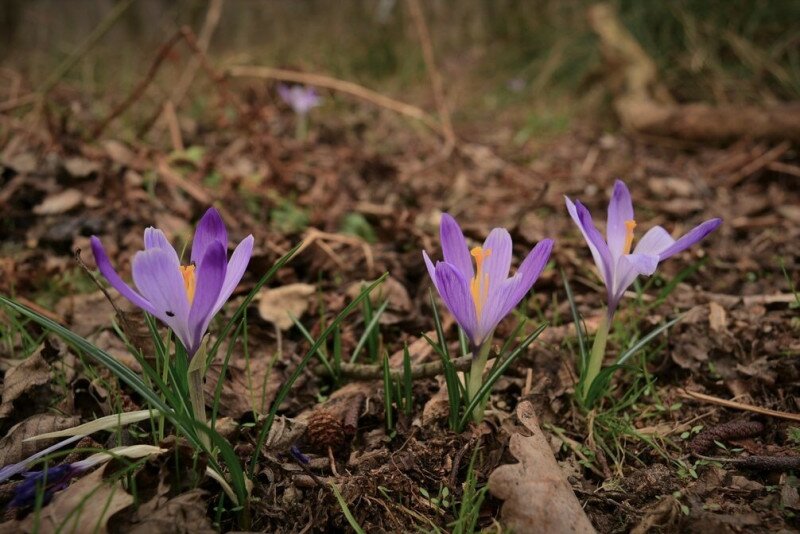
[(387, 393), (102, 423), (646, 339), (408, 383), (496, 373), (580, 331), (367, 335), (320, 353), (346, 511), (247, 300)]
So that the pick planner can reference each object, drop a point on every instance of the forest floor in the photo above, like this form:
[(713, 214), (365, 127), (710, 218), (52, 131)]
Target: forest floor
[(365, 192)]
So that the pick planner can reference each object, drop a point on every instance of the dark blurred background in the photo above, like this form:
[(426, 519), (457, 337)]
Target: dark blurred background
[(533, 66)]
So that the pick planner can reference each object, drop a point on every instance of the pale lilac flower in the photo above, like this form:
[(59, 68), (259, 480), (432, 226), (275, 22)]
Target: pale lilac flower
[(480, 297), (301, 99), (185, 298), (618, 265)]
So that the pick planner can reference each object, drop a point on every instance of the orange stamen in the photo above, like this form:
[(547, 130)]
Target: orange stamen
[(189, 281), (479, 285), (629, 226)]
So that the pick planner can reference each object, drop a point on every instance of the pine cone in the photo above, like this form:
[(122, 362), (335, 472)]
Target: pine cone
[(325, 429)]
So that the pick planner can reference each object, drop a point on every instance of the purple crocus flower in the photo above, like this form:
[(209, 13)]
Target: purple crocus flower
[(184, 297), (618, 265), (301, 99), (480, 297), (53, 479)]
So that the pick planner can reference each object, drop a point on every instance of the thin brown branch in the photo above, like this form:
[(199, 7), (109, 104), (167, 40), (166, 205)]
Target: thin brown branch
[(686, 394), (141, 87), (341, 86), (426, 43)]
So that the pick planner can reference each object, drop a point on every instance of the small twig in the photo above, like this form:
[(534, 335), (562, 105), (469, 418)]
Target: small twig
[(92, 39), (686, 394), (364, 371), (139, 90), (210, 24), (760, 463), (771, 156), (436, 79), (724, 432), (341, 86)]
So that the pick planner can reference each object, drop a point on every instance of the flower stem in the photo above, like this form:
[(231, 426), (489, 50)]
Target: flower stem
[(480, 355), (596, 356), (196, 396), (301, 127)]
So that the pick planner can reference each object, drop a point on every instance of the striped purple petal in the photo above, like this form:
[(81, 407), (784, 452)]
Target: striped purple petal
[(597, 245), (620, 210), (498, 264), (210, 279), (158, 278), (693, 236), (454, 290), (210, 229), (107, 270), (454, 246), (235, 270)]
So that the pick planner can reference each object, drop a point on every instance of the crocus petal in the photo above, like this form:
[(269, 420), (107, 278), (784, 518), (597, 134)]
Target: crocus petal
[(155, 238), (454, 246), (628, 268), (210, 278), (693, 236), (158, 278), (235, 270), (209, 229), (285, 93), (431, 269), (502, 299), (104, 265), (508, 294), (498, 263), (655, 241), (454, 290), (598, 246), (620, 210)]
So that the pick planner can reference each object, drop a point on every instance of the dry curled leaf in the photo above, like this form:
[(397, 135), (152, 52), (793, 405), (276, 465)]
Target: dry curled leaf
[(184, 514), (59, 203), (26, 387), (537, 496), (247, 386), (14, 448), (84, 506), (280, 304)]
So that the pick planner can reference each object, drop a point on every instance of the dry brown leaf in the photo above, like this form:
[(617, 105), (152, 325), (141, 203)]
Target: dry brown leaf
[(26, 387), (13, 448), (78, 167), (244, 388), (85, 506), (537, 497), (59, 203), (280, 304), (184, 514), (717, 318)]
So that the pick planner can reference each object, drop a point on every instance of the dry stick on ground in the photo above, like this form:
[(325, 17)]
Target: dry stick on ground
[(418, 17), (342, 86), (187, 35), (141, 87), (645, 106), (686, 394), (363, 371), (213, 15)]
